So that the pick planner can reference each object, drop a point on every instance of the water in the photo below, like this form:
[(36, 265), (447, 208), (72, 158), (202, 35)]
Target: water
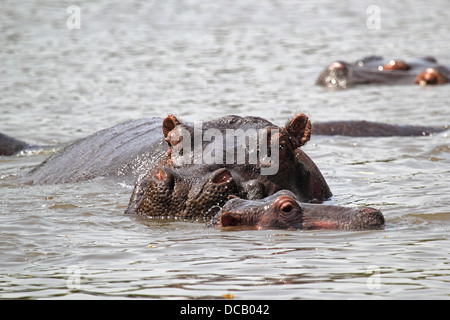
[(199, 61)]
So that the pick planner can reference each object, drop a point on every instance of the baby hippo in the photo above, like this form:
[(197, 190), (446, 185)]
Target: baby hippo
[(282, 210)]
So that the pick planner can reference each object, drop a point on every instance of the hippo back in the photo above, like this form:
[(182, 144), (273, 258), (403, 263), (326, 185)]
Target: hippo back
[(127, 150)]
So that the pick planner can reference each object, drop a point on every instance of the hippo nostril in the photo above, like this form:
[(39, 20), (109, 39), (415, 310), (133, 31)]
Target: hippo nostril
[(164, 178), (207, 197), (222, 176), (161, 175)]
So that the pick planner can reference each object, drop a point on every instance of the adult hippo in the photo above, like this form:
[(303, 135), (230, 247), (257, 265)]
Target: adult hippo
[(282, 210), (196, 188), (377, 70)]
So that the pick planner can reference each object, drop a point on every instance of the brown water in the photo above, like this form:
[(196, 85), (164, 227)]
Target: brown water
[(199, 60)]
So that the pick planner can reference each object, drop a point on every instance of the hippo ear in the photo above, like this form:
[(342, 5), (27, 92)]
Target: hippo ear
[(169, 123), (299, 130)]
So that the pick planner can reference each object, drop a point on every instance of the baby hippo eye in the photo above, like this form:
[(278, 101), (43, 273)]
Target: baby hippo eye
[(287, 206), (285, 213)]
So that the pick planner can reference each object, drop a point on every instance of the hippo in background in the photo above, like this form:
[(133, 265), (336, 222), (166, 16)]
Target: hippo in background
[(377, 70), (362, 128)]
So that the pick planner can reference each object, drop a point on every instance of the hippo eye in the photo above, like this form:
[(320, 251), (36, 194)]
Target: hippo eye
[(286, 207)]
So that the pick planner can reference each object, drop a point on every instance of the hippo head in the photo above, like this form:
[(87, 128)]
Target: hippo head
[(206, 164), (336, 75), (282, 210)]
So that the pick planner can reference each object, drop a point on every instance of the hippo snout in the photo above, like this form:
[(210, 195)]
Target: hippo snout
[(320, 216), (370, 218), (185, 194), (162, 190), (336, 217)]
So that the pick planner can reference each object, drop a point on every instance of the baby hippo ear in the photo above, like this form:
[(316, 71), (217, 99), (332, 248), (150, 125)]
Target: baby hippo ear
[(299, 130), (169, 123)]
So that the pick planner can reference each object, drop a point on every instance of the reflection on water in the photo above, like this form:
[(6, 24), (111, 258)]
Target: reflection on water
[(147, 58)]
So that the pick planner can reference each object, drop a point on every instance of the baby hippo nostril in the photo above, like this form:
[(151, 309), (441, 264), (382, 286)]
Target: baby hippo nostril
[(228, 220)]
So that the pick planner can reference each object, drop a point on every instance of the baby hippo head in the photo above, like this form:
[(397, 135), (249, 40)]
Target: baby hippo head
[(282, 210)]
